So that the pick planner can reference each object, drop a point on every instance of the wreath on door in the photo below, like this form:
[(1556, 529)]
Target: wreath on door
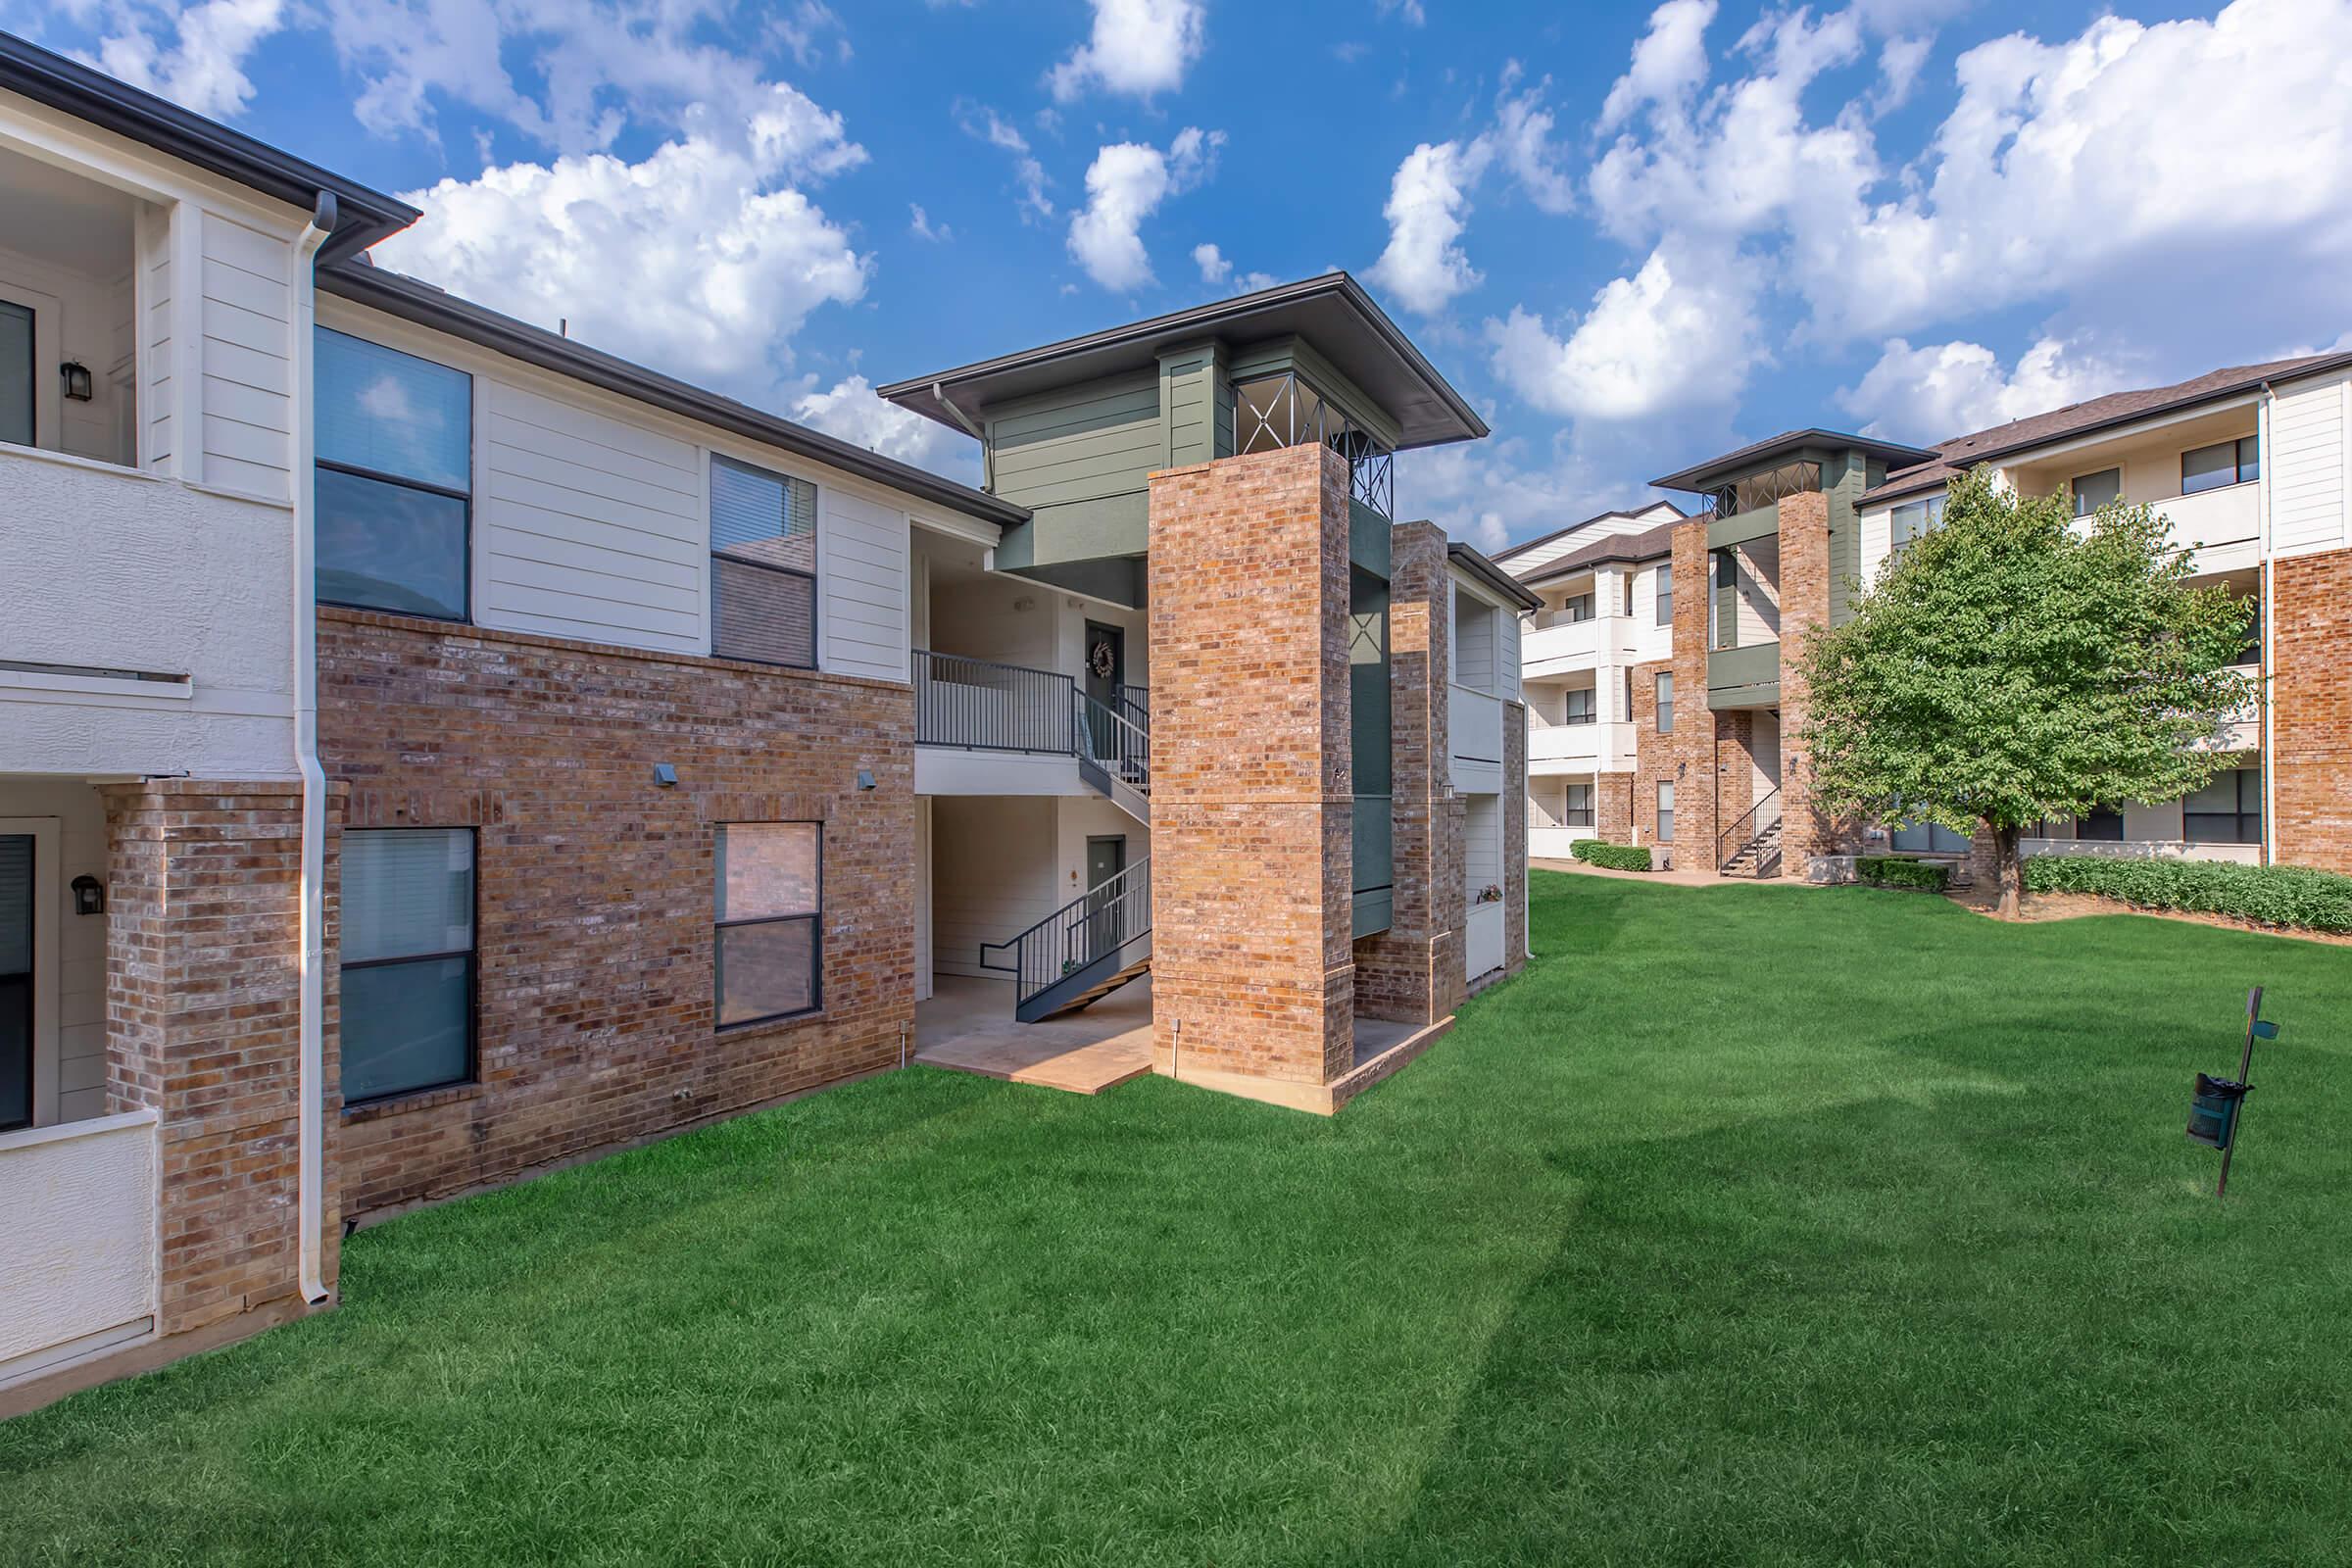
[(1100, 659)]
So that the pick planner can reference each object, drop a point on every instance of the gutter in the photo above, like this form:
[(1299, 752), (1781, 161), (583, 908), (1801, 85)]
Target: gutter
[(311, 1075)]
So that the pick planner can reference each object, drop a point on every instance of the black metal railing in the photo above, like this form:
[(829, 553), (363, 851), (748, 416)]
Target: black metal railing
[(1746, 827), (1134, 704), (1094, 925), (984, 705), (1105, 740)]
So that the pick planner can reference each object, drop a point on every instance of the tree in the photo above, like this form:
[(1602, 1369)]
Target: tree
[(2008, 667)]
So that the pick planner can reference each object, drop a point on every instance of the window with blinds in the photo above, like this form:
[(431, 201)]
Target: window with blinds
[(763, 565), (407, 960), (394, 479), (770, 942)]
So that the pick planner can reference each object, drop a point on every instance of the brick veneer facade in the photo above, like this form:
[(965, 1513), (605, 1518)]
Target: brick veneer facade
[(595, 896), (1805, 829), (2311, 700), (1251, 809), (1412, 972), (204, 953), (1689, 759)]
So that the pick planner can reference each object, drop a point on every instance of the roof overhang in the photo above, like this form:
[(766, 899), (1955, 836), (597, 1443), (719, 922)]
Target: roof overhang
[(363, 216), (1331, 313), (1788, 446), (427, 306), (1487, 575)]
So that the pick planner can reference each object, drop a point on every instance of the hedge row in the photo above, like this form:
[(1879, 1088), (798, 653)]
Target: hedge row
[(2267, 895), (1894, 872), (1614, 857)]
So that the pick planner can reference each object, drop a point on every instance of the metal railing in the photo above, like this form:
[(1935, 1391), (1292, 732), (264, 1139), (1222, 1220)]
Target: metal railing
[(1134, 704), (1095, 924), (984, 705), (1103, 739), (1747, 826)]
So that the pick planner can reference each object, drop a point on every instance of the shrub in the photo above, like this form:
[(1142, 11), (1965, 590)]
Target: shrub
[(1895, 871), (2267, 895), (1614, 857)]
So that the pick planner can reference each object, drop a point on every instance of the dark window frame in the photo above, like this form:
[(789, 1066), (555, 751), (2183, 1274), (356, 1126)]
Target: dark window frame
[(1577, 608), (1663, 594), (1661, 696), (2242, 471), (817, 531), (1591, 712), (426, 487), (2245, 779), (473, 975), (816, 941), (1662, 809), (1571, 813), (2074, 488)]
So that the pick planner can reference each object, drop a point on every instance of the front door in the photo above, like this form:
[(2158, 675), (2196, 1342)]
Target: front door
[(1105, 672), (17, 910), (1105, 922)]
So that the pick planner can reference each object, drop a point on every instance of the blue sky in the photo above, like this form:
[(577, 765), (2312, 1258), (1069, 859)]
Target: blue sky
[(1634, 236)]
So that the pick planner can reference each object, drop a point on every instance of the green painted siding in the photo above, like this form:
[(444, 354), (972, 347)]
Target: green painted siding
[(1080, 458), (1744, 677), (1845, 477), (1188, 380), (1224, 426)]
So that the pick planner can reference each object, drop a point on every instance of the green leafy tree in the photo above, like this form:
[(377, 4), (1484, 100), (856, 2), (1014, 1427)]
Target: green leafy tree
[(2007, 667)]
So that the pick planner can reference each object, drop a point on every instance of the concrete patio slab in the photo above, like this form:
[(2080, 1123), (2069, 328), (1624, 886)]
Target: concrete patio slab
[(969, 1027)]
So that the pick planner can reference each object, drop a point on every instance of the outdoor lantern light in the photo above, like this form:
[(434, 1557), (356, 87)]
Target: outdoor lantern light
[(77, 380), (88, 897)]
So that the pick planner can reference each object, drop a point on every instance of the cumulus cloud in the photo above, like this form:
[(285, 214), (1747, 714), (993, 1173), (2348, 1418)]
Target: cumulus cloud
[(849, 409), (1124, 185), (1523, 141), (703, 259), (981, 122), (1941, 391), (1428, 203), (1658, 341), (1669, 64), (1215, 267), (202, 66), (1138, 47)]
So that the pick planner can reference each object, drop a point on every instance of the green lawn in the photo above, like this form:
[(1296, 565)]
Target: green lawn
[(1765, 1225)]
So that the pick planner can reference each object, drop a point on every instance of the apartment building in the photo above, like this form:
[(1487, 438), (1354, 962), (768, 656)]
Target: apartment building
[(433, 751), (2248, 464)]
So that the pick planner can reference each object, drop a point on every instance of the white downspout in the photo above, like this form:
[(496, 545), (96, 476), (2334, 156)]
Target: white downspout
[(311, 1142), (2270, 618)]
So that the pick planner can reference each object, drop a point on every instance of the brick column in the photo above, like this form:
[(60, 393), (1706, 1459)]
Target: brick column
[(1688, 755), (1252, 778), (2311, 708), (1412, 972), (203, 1025), (1805, 829)]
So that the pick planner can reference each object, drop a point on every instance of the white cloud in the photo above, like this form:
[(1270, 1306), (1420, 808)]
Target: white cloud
[(1523, 141), (1138, 47), (984, 122), (1941, 391), (1670, 338), (1215, 267), (806, 30), (1429, 201), (1408, 11), (919, 224), (1124, 185), (1669, 64), (703, 259), (850, 410), (204, 68)]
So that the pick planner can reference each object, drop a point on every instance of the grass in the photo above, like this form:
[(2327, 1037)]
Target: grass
[(1760, 1225)]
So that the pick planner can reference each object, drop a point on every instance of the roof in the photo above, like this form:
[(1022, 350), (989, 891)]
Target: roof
[(1332, 312), (1648, 545), (363, 216), (1526, 545), (2088, 418), (1789, 444), (411, 300), (1464, 559)]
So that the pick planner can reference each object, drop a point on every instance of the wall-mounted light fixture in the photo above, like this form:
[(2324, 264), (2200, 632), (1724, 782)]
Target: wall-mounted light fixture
[(76, 376), (88, 897), (666, 774)]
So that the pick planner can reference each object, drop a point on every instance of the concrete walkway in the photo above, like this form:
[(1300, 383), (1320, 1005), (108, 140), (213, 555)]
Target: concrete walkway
[(968, 1025), (1692, 878)]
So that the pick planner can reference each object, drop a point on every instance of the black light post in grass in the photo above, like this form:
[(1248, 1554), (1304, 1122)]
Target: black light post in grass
[(2217, 1104)]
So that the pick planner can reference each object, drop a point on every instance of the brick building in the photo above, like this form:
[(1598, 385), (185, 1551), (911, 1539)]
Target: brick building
[(2249, 464), (527, 754)]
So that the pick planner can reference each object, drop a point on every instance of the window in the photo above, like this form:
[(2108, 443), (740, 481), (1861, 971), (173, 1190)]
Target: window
[(1665, 811), (1626, 714), (1913, 520), (1578, 703), (1577, 607), (2103, 824), (2224, 462), (1577, 810), (763, 565), (1665, 695), (395, 479), (2228, 811), (1927, 838), (1665, 580), (2251, 653), (768, 946), (407, 960), (2095, 490), (15, 373), (1628, 580)]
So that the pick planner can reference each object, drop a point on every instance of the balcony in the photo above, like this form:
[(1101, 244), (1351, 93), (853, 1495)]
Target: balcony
[(1474, 721), (1580, 748), (2223, 526), (1744, 677)]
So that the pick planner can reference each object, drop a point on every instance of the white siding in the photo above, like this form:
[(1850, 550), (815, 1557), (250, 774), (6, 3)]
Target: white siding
[(156, 395), (81, 1217), (862, 577), (85, 320), (246, 321), (1878, 539), (586, 527), (993, 876), (1506, 652), (2309, 450), (1473, 642)]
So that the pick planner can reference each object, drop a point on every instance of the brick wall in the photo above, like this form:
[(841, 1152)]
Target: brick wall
[(1613, 810), (595, 890), (1412, 972), (1689, 756), (204, 1025), (1805, 829), (2311, 738), (1654, 754), (1251, 771)]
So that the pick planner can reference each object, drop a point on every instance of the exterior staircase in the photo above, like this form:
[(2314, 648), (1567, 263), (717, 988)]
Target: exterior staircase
[(1758, 856), (1114, 754), (1084, 950)]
